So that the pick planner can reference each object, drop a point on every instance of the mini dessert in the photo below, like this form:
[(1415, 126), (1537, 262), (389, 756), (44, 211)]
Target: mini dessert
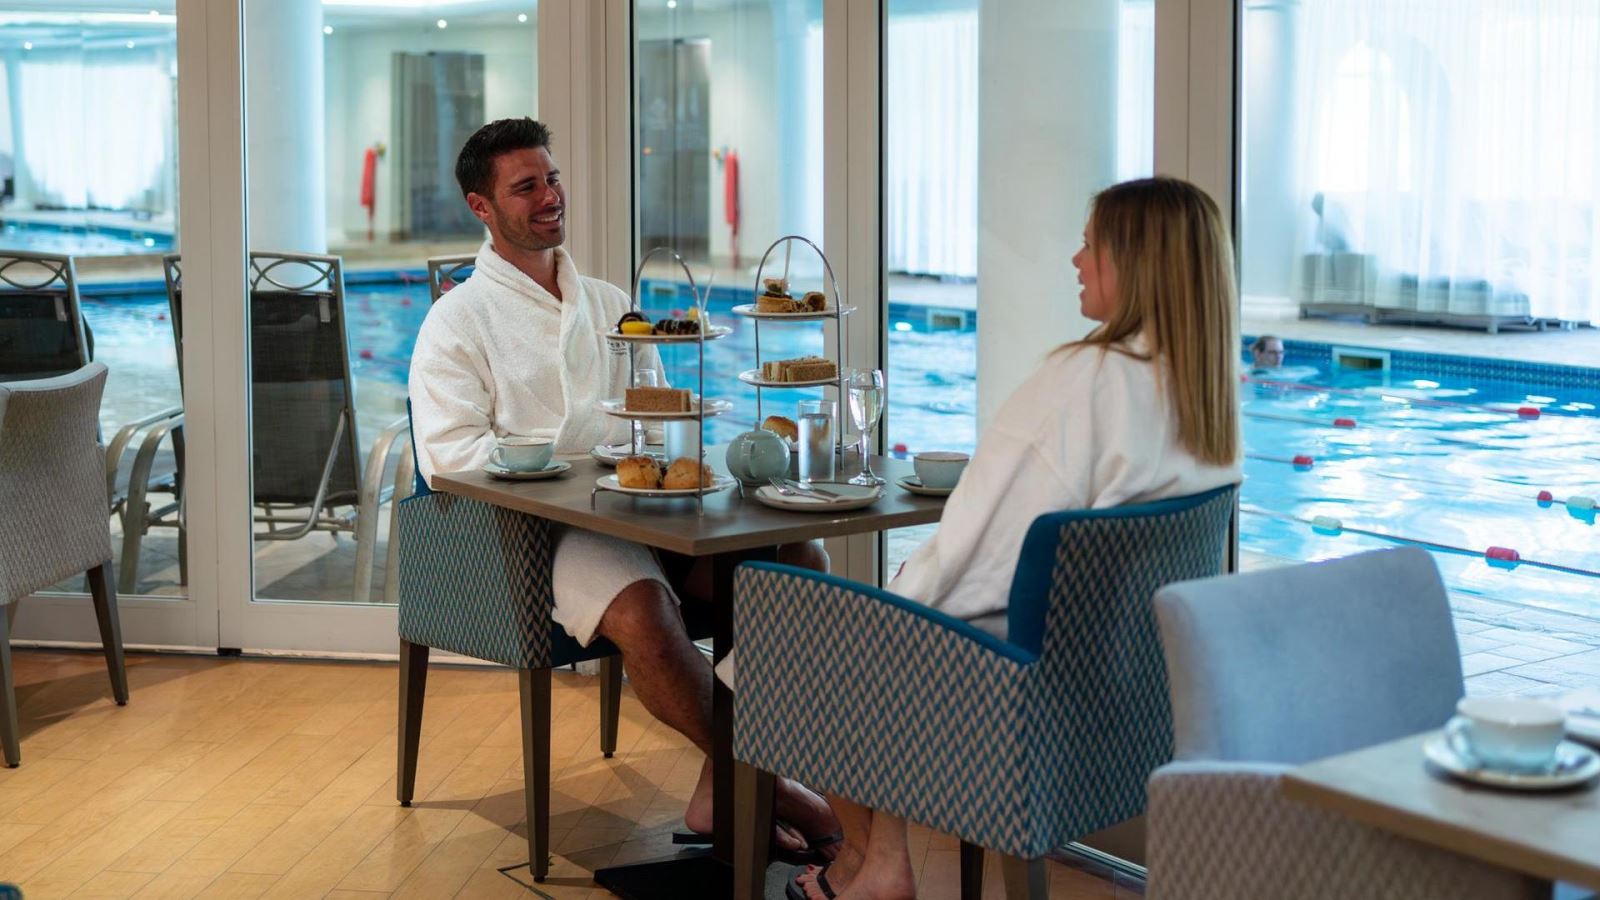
[(782, 427), (677, 326), (803, 368), (638, 472), (634, 323), (684, 473), (814, 301), (775, 297), (656, 399)]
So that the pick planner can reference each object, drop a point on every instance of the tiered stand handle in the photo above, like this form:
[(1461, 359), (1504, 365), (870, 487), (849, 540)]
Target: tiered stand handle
[(837, 313)]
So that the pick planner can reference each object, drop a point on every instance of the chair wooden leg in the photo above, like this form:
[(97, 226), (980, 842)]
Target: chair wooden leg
[(1025, 878), (753, 792), (535, 690), (610, 703), (971, 871), (104, 590), (413, 688), (9, 735)]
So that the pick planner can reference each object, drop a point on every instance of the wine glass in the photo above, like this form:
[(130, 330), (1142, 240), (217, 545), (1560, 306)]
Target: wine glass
[(866, 393)]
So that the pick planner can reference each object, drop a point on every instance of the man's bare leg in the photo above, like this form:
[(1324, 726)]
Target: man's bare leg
[(884, 873)]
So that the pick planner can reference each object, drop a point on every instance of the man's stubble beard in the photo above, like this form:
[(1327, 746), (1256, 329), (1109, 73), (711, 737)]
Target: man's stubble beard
[(519, 235)]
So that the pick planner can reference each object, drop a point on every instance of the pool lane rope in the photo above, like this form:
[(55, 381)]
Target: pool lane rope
[(1580, 506), (1499, 557)]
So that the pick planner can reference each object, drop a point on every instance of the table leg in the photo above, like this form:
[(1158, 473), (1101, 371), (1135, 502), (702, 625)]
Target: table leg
[(697, 873)]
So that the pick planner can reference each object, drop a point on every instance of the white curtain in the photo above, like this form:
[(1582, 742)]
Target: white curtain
[(97, 129), (1453, 153), (931, 144)]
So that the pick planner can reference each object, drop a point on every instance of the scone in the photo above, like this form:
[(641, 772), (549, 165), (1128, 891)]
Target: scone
[(782, 427), (683, 474), (638, 472)]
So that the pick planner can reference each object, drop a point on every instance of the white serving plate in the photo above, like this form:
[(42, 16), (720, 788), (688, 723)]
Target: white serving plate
[(713, 408), (749, 311), (753, 376), (711, 334), (1579, 764), (854, 497), (556, 467), (610, 483)]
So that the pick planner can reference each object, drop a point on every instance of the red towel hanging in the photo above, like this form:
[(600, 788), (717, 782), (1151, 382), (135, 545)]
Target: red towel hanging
[(369, 185), (730, 201)]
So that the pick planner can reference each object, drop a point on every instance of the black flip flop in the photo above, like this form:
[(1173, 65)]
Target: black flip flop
[(794, 891), (810, 856)]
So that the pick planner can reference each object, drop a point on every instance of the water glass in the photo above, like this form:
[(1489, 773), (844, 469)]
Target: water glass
[(865, 392), (642, 378), (683, 438), (816, 439)]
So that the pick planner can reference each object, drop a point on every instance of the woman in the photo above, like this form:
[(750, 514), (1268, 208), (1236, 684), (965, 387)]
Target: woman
[(1142, 409)]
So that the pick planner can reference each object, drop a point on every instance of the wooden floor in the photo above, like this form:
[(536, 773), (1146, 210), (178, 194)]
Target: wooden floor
[(265, 778)]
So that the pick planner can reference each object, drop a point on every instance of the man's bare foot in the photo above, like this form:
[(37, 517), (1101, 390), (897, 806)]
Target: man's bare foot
[(698, 816), (808, 812), (841, 872), (874, 879)]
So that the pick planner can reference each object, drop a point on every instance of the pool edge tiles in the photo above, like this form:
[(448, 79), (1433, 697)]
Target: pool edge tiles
[(1449, 365)]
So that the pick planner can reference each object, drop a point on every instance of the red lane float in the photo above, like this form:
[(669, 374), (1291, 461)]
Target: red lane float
[(1303, 462), (1342, 422), (366, 354), (1528, 412), (1546, 498)]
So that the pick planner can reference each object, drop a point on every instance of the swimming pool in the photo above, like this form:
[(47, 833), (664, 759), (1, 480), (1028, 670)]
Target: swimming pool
[(81, 240), (1433, 451)]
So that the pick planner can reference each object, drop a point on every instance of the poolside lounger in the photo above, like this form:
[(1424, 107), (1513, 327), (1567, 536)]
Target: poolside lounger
[(306, 460), (43, 334)]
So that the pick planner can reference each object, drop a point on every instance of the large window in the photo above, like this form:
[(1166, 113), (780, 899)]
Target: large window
[(354, 115), (984, 193), (1420, 229)]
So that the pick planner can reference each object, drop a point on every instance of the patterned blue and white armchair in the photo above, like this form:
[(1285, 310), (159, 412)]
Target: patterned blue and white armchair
[(474, 579), (1019, 745)]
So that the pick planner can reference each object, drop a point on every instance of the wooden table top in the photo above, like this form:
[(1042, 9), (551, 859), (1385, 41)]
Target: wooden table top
[(729, 523), (1552, 835)]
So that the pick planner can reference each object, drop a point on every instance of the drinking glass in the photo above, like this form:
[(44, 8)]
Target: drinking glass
[(642, 378), (866, 394), (816, 440)]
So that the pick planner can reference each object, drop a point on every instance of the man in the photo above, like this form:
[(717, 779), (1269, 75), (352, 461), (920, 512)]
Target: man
[(1266, 353), (517, 350)]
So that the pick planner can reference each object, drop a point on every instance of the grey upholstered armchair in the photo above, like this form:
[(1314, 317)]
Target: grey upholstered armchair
[(53, 494), (1280, 667)]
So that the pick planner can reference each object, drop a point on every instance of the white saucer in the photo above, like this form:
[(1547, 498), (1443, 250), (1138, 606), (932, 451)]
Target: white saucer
[(555, 468), (1584, 728), (752, 311), (610, 454), (1578, 765), (610, 483), (914, 484), (753, 377), (852, 496)]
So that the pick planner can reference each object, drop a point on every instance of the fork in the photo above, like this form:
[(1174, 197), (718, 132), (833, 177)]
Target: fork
[(794, 491)]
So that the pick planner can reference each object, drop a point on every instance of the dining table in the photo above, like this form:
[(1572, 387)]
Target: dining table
[(730, 527), (1553, 835)]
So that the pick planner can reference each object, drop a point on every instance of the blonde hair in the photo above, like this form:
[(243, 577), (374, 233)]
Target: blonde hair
[(1174, 265)]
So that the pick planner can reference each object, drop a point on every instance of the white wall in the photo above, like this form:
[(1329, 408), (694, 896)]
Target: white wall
[(359, 104), (1272, 216)]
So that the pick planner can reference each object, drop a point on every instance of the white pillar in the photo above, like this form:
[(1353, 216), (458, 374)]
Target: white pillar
[(1273, 212), (284, 143), (1047, 98)]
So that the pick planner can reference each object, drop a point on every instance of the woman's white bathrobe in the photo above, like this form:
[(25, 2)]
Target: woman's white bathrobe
[(1088, 429), (499, 355)]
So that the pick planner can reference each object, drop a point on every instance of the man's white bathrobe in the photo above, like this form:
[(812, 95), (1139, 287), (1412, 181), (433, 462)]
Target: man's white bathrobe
[(1087, 430), (499, 355)]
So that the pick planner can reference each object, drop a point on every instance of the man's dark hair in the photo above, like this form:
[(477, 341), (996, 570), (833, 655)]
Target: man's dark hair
[(475, 165)]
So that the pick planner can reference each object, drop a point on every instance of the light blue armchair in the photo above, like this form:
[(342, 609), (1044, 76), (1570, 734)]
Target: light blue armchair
[(1281, 667), (1017, 745)]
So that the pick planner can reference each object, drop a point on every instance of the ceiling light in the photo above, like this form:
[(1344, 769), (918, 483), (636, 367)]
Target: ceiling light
[(522, 17), (327, 29), (442, 23), (672, 4)]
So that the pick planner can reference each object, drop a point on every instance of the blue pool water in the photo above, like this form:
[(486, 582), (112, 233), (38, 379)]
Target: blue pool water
[(81, 240), (1435, 458)]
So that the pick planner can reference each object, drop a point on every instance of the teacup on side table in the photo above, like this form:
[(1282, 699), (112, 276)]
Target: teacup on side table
[(522, 454), (939, 469)]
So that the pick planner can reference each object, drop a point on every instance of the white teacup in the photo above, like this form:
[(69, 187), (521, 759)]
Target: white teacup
[(523, 454), (939, 468), (1506, 733)]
